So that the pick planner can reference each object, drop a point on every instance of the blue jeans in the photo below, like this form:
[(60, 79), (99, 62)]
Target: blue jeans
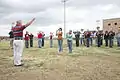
[(87, 42), (60, 45), (26, 43), (101, 42), (118, 41), (110, 42), (40, 42), (67, 43), (51, 43), (98, 42), (91, 41), (82, 41), (70, 46), (106, 42), (31, 42)]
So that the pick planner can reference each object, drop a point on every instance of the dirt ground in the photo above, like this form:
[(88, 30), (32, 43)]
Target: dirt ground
[(44, 64)]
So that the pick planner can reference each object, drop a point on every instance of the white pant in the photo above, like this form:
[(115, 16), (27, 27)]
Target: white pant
[(18, 46)]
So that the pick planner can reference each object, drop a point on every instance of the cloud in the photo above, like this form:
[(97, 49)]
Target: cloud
[(50, 14)]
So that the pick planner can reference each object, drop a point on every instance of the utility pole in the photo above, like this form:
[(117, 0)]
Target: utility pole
[(64, 1), (98, 25)]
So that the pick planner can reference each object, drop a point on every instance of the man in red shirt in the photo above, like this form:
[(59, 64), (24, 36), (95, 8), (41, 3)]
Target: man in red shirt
[(87, 37), (18, 41), (40, 36), (27, 39)]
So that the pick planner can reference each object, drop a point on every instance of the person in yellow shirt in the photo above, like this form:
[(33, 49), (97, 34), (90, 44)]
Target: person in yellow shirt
[(60, 39)]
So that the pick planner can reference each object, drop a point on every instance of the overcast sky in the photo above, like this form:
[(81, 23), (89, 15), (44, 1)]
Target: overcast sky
[(49, 14)]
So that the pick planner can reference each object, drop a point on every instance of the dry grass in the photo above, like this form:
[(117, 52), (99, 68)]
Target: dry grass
[(44, 64)]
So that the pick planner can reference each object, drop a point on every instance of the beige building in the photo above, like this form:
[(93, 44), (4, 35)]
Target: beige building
[(111, 24)]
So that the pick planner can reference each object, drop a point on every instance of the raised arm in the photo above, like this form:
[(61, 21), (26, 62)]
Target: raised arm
[(29, 23)]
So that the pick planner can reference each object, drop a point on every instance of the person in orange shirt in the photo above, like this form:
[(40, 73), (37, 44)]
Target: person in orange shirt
[(60, 39)]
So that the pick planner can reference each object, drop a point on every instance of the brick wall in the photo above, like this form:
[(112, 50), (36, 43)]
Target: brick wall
[(111, 24)]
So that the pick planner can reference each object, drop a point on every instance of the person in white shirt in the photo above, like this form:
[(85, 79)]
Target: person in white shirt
[(82, 41), (91, 38)]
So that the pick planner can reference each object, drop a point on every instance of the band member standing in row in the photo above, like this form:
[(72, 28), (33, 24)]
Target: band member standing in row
[(27, 39), (66, 37), (91, 38), (95, 37), (31, 40), (11, 39), (87, 37), (101, 32), (99, 36), (60, 39), (51, 39), (111, 37), (77, 37), (106, 38), (43, 38), (40, 39), (18, 41), (69, 39), (11, 36), (82, 39)]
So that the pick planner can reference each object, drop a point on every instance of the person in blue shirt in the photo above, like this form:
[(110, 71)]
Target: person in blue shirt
[(69, 40)]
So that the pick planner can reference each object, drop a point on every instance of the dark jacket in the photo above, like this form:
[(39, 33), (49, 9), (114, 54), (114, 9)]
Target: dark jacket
[(87, 35), (99, 35), (111, 35), (31, 37), (77, 35), (11, 34), (106, 36)]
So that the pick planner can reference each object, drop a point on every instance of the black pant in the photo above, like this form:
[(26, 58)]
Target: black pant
[(77, 42), (99, 42), (87, 42), (110, 43), (42, 42), (106, 42), (31, 43)]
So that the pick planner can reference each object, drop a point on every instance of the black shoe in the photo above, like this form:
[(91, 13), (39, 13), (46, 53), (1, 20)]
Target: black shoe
[(19, 65)]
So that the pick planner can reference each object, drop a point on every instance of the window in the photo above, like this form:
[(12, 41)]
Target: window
[(109, 24), (115, 23)]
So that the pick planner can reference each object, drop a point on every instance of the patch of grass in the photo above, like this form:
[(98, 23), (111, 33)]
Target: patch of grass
[(82, 64)]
